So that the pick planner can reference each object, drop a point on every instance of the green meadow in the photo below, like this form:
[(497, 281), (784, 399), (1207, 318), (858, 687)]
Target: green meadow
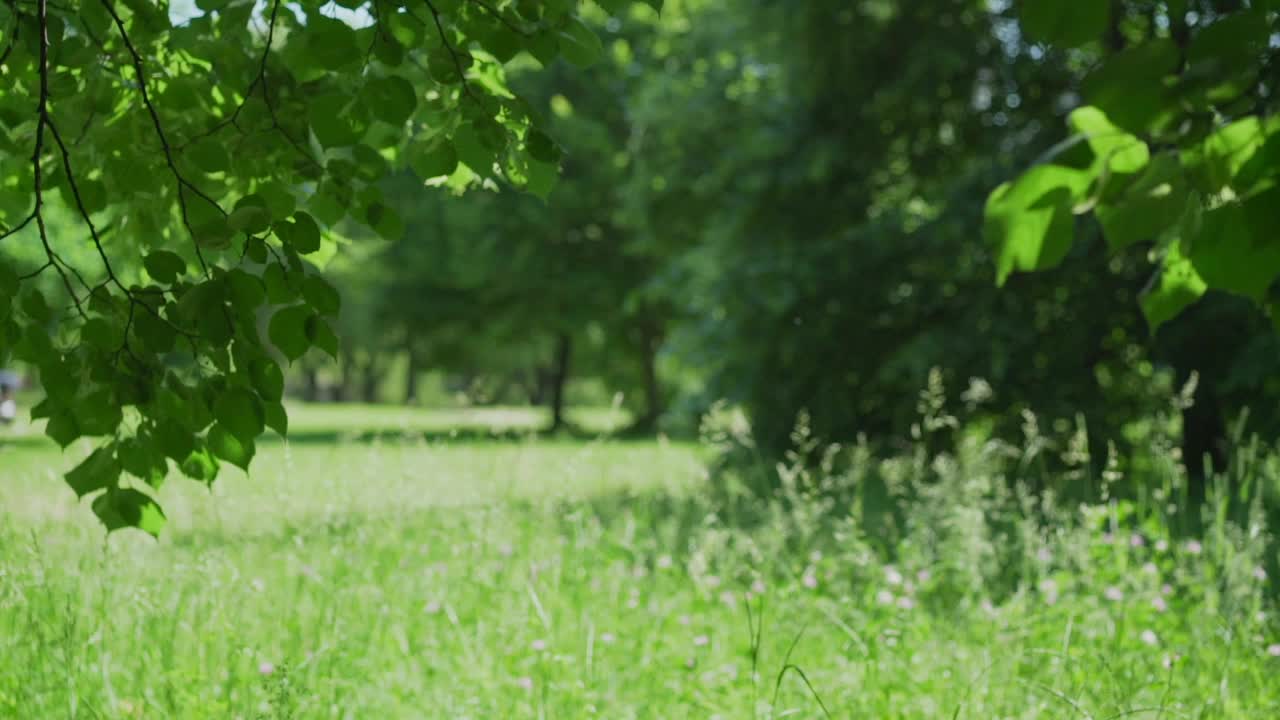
[(381, 565)]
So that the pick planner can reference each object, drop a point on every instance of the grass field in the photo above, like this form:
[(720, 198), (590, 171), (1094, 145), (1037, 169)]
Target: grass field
[(375, 567)]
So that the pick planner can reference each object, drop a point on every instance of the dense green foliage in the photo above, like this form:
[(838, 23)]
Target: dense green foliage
[(405, 579), (1176, 146), (204, 158)]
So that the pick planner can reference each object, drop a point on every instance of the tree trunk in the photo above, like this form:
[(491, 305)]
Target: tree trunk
[(310, 385), (369, 384), (651, 339), (559, 378), (1204, 438), (411, 379)]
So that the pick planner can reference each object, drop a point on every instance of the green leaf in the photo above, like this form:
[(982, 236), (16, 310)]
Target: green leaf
[(579, 45), (1235, 249), (102, 334), (267, 379), (99, 470), (1150, 206), (288, 331), (321, 295), (322, 336), (239, 411), (164, 266), (128, 508), (391, 99), (1225, 153), (1067, 23), (140, 457), (1113, 148), (436, 160), (330, 121), (209, 155), (1131, 86), (62, 428), (8, 281), (1029, 222), (245, 291), (301, 233), (201, 466), (226, 445), (276, 418)]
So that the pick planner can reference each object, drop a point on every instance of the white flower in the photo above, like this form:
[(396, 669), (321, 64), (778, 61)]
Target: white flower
[(884, 597), (266, 668), (1113, 594), (1194, 547), (539, 645), (701, 640), (1159, 604), (664, 561), (892, 576), (1149, 637), (809, 580)]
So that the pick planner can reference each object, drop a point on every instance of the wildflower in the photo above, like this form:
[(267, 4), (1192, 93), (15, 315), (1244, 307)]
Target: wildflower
[(809, 580), (815, 556), (923, 576), (757, 587), (712, 581), (1150, 568), (1114, 594), (1049, 588), (1159, 604), (1194, 547), (683, 620), (1168, 660), (906, 603), (1149, 637), (1044, 556), (266, 668), (884, 597), (258, 585), (701, 640), (539, 645), (987, 607), (506, 550), (1166, 589), (607, 638), (432, 607), (1162, 545), (525, 683), (1273, 650), (728, 598), (892, 576), (1259, 573), (664, 561), (1136, 540)]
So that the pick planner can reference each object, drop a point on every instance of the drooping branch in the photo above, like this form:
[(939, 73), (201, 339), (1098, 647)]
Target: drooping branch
[(42, 121), (182, 182)]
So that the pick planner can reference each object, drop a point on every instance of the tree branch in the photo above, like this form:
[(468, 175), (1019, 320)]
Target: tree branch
[(42, 120), (164, 142)]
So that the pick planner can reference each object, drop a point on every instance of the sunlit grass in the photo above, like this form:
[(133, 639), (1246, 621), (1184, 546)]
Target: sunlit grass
[(425, 578)]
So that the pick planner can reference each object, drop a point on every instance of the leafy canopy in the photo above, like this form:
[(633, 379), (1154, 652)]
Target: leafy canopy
[(1176, 145), (208, 158)]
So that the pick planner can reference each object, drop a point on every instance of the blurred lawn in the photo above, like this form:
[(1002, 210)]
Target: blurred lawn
[(381, 569)]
